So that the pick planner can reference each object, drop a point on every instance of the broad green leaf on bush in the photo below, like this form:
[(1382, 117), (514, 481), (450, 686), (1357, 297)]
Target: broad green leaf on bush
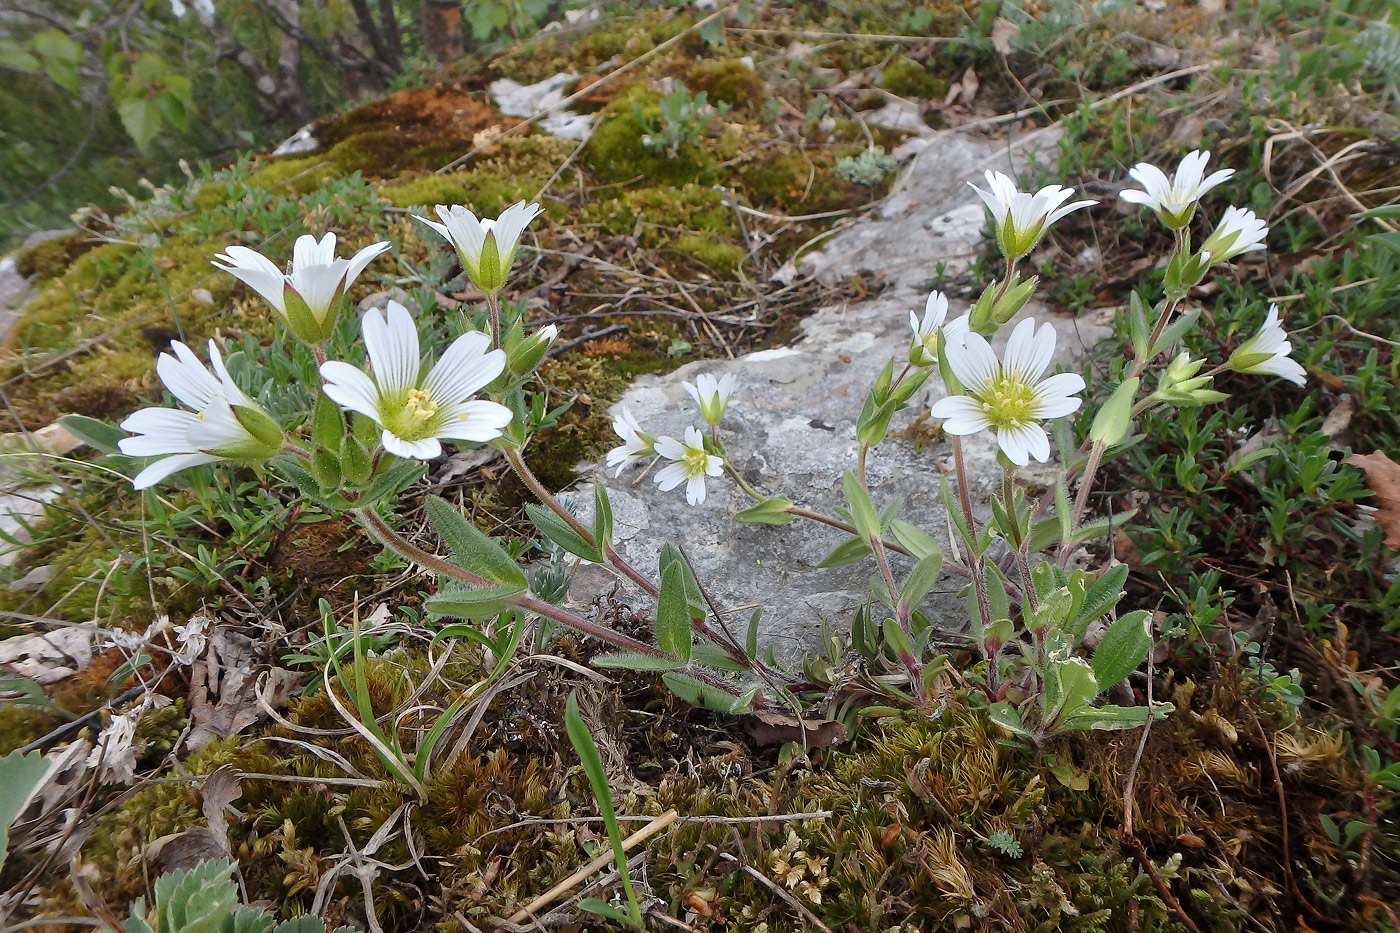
[(473, 550), (96, 434), (141, 120), (21, 776), (1123, 648)]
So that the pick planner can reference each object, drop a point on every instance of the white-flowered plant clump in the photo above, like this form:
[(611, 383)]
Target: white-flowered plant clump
[(380, 415)]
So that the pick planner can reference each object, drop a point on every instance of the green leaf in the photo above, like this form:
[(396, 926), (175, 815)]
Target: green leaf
[(914, 539), (751, 637), (895, 639), (464, 602), (1099, 598), (306, 923), (390, 481), (472, 550), (772, 511), (636, 662), (698, 693), (602, 517), (1176, 330), (673, 632), (557, 530), (847, 552), (1124, 646), (197, 900), (251, 920), (24, 692), (1006, 716), (140, 119), (327, 423), (97, 434), (921, 580), (1116, 717), (17, 58), (602, 909), (863, 513), (21, 776), (1076, 689)]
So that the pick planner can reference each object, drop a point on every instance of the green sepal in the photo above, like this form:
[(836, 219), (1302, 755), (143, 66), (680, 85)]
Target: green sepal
[(465, 602), (300, 321), (327, 423), (772, 511), (911, 384), (1124, 646), (355, 464), (473, 550), (1115, 416), (874, 421), (325, 467), (490, 276)]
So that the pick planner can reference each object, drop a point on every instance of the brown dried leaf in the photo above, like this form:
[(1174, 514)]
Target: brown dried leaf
[(1383, 476), (780, 728), (223, 695), (1003, 31)]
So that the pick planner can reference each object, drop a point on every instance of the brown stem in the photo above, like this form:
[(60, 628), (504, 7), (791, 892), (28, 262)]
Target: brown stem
[(495, 312)]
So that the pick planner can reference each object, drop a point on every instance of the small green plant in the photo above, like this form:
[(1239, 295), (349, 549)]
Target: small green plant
[(869, 168), (684, 120), (204, 899), (587, 751)]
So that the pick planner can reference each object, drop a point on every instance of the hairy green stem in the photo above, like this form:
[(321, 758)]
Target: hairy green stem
[(974, 561)]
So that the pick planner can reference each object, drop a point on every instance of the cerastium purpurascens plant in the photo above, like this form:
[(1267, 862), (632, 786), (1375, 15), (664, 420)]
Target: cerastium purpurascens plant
[(1045, 636)]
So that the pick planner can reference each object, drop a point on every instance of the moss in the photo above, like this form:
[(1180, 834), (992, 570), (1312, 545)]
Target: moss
[(616, 153), (905, 77), (20, 725), (728, 81), (795, 184), (50, 258), (717, 255), (425, 189), (616, 38), (295, 175), (211, 196)]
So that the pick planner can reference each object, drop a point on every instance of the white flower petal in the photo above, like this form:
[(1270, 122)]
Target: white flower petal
[(695, 490), (257, 272), (465, 367), (392, 341), (162, 468), (974, 362), (186, 378), (477, 420), (670, 476), (357, 263), (963, 414), (429, 448), (350, 388)]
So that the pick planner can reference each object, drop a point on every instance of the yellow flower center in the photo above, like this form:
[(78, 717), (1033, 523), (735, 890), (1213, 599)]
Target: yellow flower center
[(420, 405), (695, 460), (1009, 402)]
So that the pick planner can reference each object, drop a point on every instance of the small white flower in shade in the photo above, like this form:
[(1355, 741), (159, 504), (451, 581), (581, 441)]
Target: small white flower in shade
[(1174, 199), (414, 410), (129, 642), (223, 423), (310, 296), (1239, 231), (485, 247), (636, 443), (1008, 396), (1021, 217), (192, 638), (923, 349), (1267, 353), (711, 394), (690, 465)]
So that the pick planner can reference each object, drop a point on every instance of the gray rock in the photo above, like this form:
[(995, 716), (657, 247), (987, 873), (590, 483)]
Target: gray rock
[(527, 100), (790, 427)]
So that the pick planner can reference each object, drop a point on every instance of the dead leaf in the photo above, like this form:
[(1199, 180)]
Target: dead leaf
[(1383, 476), (964, 90), (218, 791), (223, 695), (1339, 418), (48, 657), (184, 850), (1003, 31), (780, 728)]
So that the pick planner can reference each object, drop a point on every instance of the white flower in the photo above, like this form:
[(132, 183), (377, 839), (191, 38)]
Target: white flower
[(636, 443), (1239, 231), (1021, 217), (923, 349), (129, 642), (1267, 353), (690, 465), (310, 296), (224, 424), (1174, 199), (1008, 397), (416, 410), (192, 639), (485, 247), (711, 394)]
